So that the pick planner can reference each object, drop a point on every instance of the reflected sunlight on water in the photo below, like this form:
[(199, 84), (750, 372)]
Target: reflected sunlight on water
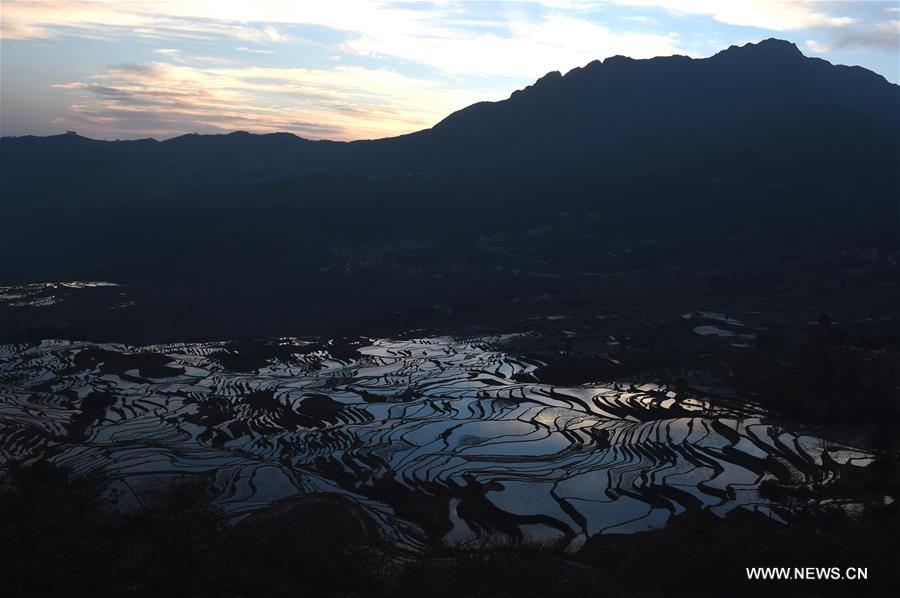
[(386, 424)]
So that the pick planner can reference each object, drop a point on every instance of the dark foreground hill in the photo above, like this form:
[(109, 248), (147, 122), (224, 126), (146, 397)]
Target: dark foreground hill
[(747, 162)]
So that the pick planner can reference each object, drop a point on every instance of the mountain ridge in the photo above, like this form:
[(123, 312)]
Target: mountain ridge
[(770, 49)]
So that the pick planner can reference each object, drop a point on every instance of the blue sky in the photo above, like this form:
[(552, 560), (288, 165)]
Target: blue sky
[(355, 70)]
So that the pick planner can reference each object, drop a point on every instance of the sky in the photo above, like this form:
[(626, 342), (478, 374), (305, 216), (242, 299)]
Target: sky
[(118, 69)]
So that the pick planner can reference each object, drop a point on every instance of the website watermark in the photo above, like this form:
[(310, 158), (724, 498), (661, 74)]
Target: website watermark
[(808, 573)]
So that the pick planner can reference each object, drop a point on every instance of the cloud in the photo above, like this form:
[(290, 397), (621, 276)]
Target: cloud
[(527, 49), (880, 36), (274, 35), (251, 21), (816, 46), (442, 35), (127, 19), (162, 99), (642, 19), (26, 20), (776, 15), (170, 53), (883, 36)]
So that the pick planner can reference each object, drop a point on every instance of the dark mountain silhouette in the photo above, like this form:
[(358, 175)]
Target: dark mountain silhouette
[(619, 109), (651, 108), (748, 157)]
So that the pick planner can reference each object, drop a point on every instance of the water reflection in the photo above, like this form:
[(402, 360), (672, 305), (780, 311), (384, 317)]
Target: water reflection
[(436, 439)]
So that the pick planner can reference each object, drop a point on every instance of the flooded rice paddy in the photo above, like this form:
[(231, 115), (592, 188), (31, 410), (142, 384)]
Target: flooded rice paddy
[(436, 440)]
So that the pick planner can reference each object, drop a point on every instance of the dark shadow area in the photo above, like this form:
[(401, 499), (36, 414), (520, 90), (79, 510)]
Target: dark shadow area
[(62, 537)]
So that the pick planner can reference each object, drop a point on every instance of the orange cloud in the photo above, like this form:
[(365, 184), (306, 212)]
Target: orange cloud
[(162, 99)]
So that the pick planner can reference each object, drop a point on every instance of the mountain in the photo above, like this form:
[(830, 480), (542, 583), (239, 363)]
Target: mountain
[(749, 157), (617, 110), (663, 105)]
